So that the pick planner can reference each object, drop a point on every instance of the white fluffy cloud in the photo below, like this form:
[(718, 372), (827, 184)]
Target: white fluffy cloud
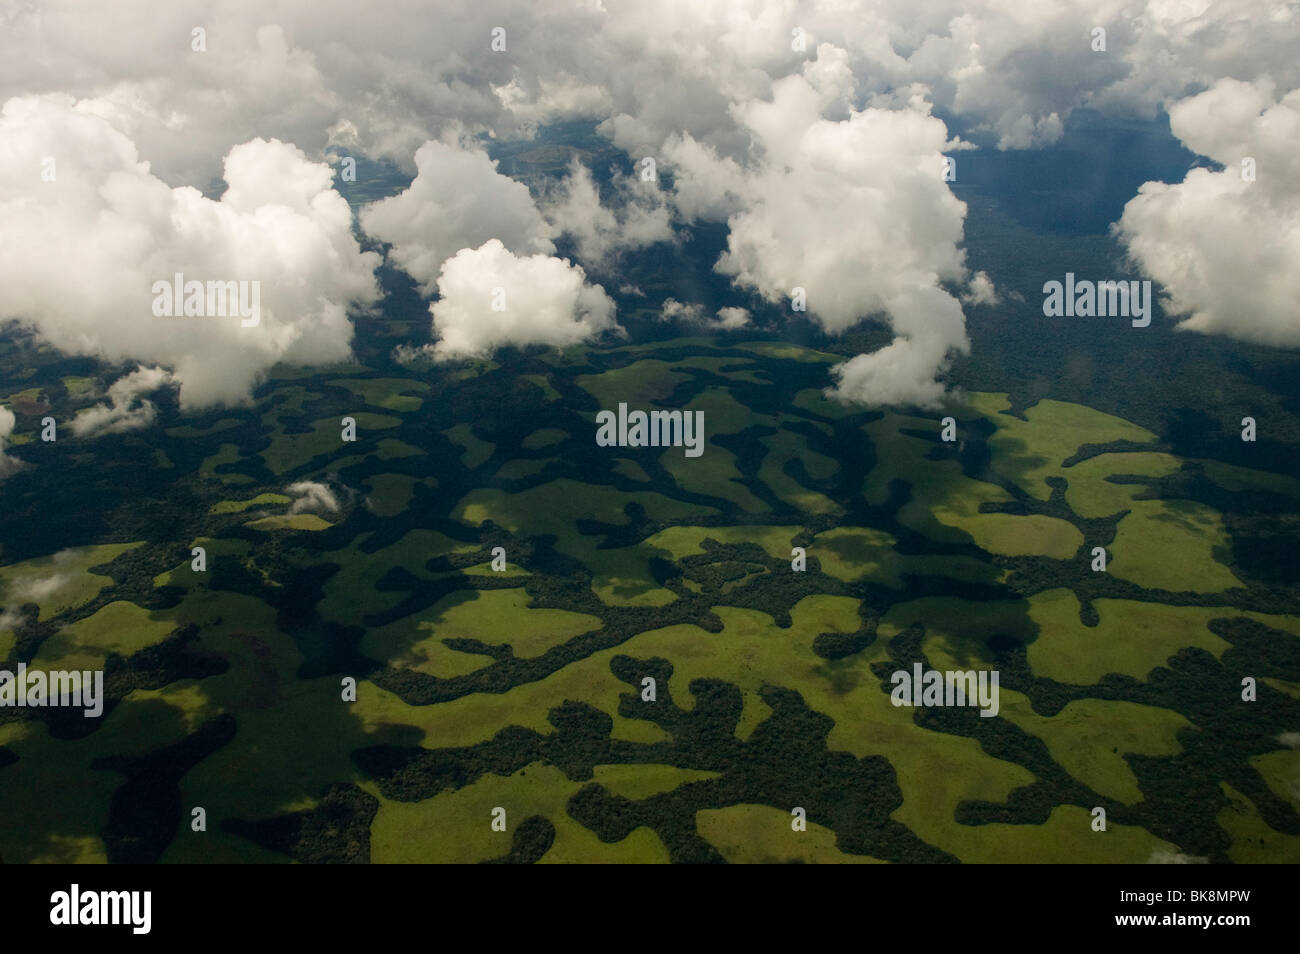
[(981, 291), (736, 101), (854, 212), (640, 216), (457, 200), (687, 312), (693, 314), (84, 251), (128, 409), (1015, 71), (1225, 248), (314, 73), (7, 464), (312, 495), (732, 318), (476, 239), (489, 298), (903, 372)]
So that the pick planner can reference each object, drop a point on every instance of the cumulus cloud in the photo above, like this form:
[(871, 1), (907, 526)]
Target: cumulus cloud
[(489, 298), (903, 372), (85, 251), (1225, 247), (705, 185), (7, 464), (312, 495), (694, 315), (476, 239), (1016, 71), (852, 216), (1012, 71), (397, 78), (639, 216), (981, 291), (457, 200), (732, 318), (735, 101), (674, 310), (383, 84), (128, 409), (550, 99)]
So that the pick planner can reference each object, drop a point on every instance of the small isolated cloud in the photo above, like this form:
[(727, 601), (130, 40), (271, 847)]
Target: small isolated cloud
[(732, 318), (981, 291), (491, 298), (408, 355), (312, 495), (689, 313), (639, 217), (36, 588), (7, 464), (1225, 247), (457, 200), (694, 315), (128, 409), (632, 290)]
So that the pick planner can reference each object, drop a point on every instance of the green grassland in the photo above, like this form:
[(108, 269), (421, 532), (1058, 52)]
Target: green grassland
[(760, 834), (1156, 529), (390, 493), (400, 830), (524, 689), (545, 437), (119, 627), (638, 385), (78, 385), (392, 394), (60, 582), (289, 452), (239, 506), (948, 506), (861, 553), (622, 576), (785, 447), (193, 430), (225, 456), (521, 468), (294, 521), (1090, 494), (542, 381), (352, 592), (1240, 479), (476, 451), (1029, 451), (1090, 738), (503, 616)]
